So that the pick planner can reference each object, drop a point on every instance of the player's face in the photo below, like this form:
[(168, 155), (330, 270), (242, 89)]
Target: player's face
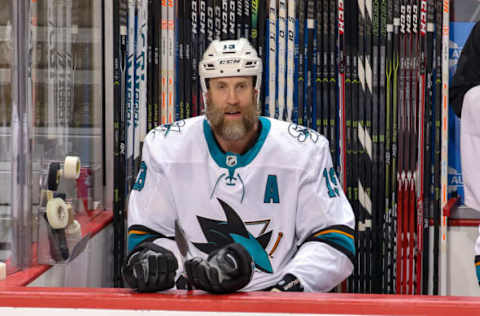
[(232, 109)]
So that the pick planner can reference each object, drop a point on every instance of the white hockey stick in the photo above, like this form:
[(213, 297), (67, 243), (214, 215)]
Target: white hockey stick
[(290, 58), (444, 153), (282, 43), (272, 57), (164, 62), (171, 61), (130, 77)]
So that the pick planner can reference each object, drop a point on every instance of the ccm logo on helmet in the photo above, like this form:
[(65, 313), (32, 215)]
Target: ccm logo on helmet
[(231, 61), (228, 46)]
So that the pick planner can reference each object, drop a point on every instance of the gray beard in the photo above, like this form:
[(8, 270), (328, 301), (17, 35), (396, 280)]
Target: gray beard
[(231, 131)]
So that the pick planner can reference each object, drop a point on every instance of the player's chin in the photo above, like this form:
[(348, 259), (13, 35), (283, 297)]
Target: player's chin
[(233, 130), (233, 123)]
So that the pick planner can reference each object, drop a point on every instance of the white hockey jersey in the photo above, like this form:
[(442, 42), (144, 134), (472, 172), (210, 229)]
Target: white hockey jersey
[(469, 152), (281, 200)]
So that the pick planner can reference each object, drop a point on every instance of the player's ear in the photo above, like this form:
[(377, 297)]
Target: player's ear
[(255, 91), (206, 97)]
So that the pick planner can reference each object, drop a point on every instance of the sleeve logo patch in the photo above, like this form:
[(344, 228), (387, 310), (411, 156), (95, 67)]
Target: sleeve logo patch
[(331, 182), (142, 174), (301, 133), (175, 127)]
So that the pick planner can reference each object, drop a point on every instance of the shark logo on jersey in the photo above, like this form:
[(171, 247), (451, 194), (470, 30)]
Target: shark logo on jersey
[(165, 129), (301, 133), (220, 233)]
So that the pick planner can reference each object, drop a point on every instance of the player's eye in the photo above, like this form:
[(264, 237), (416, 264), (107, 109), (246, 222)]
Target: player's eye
[(242, 86)]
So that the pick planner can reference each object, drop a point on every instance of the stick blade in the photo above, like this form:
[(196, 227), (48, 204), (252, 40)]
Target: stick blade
[(180, 239)]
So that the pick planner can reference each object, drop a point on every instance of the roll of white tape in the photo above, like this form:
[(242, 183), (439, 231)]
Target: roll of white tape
[(3, 271), (71, 167), (57, 213), (73, 234)]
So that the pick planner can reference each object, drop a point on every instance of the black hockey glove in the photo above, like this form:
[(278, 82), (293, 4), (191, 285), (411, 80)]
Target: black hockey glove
[(150, 268), (225, 271), (289, 283)]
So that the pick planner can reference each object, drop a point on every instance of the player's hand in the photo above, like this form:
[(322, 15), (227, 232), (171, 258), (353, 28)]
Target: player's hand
[(225, 271), (289, 283), (150, 268)]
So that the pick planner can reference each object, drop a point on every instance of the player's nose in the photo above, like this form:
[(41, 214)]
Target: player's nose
[(232, 97)]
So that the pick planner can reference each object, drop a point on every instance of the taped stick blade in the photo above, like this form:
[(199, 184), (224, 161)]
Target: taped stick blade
[(181, 239)]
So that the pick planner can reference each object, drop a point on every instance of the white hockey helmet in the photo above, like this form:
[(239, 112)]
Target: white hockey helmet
[(230, 58)]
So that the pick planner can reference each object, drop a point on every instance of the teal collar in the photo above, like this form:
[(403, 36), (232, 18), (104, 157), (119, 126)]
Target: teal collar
[(231, 160)]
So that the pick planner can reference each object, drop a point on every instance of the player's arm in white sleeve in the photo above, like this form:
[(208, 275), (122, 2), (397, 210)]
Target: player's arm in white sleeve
[(151, 208), (477, 256), (324, 227)]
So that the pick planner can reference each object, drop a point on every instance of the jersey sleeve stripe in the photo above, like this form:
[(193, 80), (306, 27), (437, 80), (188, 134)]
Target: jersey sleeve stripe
[(140, 228), (333, 231), (339, 237), (477, 267), (340, 228), (138, 234), (135, 240)]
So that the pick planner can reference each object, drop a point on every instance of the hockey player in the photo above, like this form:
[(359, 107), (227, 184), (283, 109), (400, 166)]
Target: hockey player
[(465, 100), (467, 74), (258, 198), (469, 153)]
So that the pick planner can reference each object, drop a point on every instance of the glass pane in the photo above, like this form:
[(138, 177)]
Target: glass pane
[(68, 107), (65, 93), (5, 133)]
